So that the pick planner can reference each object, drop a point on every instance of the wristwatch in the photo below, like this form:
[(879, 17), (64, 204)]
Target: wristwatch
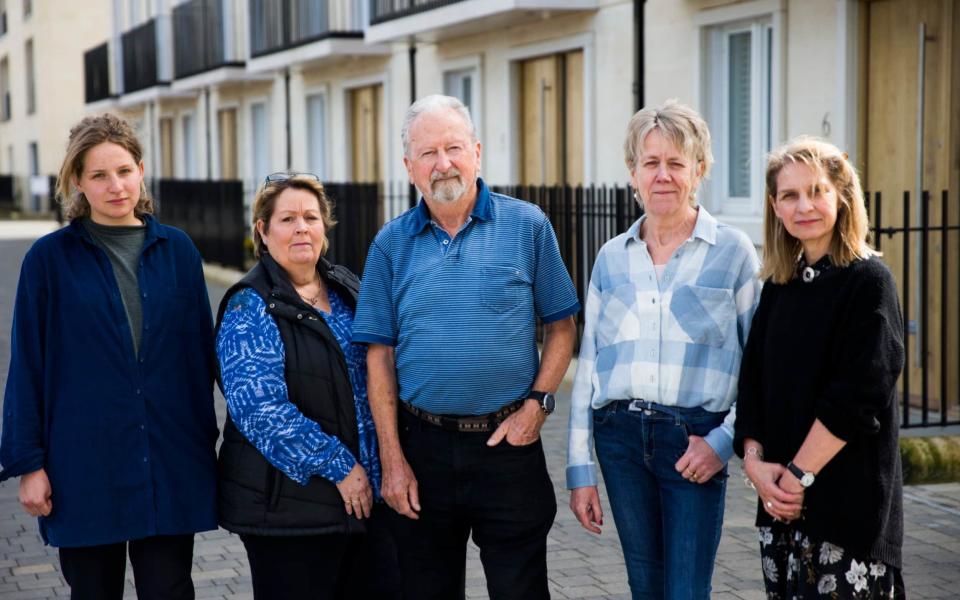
[(806, 477), (547, 400)]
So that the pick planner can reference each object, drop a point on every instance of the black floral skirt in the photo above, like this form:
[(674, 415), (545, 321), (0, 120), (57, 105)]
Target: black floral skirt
[(796, 566)]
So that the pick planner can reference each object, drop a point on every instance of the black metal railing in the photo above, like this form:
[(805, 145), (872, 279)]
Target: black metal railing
[(6, 193), (140, 57), (198, 38), (212, 214), (280, 25), (583, 218), (925, 257), (96, 73), (387, 10), (358, 212)]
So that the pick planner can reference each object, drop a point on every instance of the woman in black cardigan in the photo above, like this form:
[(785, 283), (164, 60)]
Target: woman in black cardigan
[(817, 406)]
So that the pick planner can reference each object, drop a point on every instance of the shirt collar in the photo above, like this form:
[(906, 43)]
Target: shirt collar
[(482, 210), (705, 227)]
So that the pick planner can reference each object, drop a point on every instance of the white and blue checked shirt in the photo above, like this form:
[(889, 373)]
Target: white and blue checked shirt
[(676, 342)]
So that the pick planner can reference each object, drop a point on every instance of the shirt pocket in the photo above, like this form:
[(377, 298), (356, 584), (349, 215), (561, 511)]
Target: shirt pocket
[(503, 287), (619, 317), (704, 314)]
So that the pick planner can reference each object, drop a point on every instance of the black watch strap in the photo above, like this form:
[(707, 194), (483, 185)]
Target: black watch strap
[(546, 400)]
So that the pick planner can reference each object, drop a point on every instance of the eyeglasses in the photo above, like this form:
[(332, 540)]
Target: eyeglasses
[(285, 175)]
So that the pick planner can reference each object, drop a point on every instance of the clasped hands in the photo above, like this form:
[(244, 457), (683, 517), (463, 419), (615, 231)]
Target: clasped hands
[(778, 489)]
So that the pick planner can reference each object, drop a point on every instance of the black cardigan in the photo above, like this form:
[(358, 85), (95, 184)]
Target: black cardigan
[(832, 349)]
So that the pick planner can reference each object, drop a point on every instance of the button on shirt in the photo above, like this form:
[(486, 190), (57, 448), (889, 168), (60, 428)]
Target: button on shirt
[(462, 311), (676, 342)]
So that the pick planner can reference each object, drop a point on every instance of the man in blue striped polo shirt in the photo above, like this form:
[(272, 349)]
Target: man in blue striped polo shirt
[(448, 306)]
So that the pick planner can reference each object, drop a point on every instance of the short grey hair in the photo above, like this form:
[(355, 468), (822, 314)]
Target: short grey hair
[(680, 124), (433, 103)]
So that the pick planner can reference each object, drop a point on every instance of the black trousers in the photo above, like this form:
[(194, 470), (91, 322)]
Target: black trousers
[(161, 569), (326, 567), (501, 495)]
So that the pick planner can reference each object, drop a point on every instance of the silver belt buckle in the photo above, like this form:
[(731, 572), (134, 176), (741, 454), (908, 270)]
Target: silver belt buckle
[(638, 406)]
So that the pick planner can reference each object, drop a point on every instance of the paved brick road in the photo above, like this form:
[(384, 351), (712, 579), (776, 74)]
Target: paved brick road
[(581, 565)]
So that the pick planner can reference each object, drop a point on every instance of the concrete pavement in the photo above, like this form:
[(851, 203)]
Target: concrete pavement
[(581, 565)]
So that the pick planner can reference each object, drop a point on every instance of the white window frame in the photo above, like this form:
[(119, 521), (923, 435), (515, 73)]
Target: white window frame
[(325, 128), (716, 25), (718, 115), (266, 143), (473, 65)]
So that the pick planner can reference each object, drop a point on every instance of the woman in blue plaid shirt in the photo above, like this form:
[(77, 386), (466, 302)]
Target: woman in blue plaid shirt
[(666, 319)]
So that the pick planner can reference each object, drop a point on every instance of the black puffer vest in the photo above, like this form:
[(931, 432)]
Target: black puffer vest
[(254, 496)]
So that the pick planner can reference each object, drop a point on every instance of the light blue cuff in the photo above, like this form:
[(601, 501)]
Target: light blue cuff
[(339, 465), (721, 442), (585, 475)]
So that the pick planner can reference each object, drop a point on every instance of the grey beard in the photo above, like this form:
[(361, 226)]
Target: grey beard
[(449, 190)]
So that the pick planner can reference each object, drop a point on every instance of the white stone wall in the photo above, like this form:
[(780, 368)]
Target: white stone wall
[(61, 33)]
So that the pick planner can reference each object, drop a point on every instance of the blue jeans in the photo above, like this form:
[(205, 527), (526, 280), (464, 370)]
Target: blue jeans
[(669, 527)]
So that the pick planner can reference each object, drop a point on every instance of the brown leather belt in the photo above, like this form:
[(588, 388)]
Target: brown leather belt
[(471, 423)]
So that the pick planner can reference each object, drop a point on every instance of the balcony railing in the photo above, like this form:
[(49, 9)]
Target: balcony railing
[(280, 25), (140, 57), (387, 10), (96, 73), (199, 38)]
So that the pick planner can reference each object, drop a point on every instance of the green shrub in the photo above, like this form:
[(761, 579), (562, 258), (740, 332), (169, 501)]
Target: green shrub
[(930, 459)]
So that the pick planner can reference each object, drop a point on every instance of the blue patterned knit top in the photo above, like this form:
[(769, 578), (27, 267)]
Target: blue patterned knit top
[(251, 356)]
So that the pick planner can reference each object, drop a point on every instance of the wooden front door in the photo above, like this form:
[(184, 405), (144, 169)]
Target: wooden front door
[(551, 119), (365, 110), (227, 130), (891, 66), (166, 147)]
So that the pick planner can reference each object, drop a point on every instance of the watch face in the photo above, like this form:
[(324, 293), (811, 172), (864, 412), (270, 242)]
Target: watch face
[(806, 480), (549, 403)]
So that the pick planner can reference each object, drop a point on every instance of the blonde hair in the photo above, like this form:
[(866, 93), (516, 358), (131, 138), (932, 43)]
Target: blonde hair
[(265, 202), (780, 249), (89, 132), (681, 125)]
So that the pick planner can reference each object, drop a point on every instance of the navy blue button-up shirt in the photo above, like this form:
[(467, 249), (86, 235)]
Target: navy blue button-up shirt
[(128, 441)]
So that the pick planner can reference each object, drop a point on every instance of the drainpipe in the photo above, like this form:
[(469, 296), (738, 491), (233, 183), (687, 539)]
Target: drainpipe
[(412, 53), (286, 104), (206, 112), (413, 195), (638, 50)]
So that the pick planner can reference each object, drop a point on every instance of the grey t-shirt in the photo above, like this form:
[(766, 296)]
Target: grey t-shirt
[(123, 244)]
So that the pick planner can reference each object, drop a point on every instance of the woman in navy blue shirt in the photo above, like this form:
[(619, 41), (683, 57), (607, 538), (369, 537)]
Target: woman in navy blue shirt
[(108, 413)]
